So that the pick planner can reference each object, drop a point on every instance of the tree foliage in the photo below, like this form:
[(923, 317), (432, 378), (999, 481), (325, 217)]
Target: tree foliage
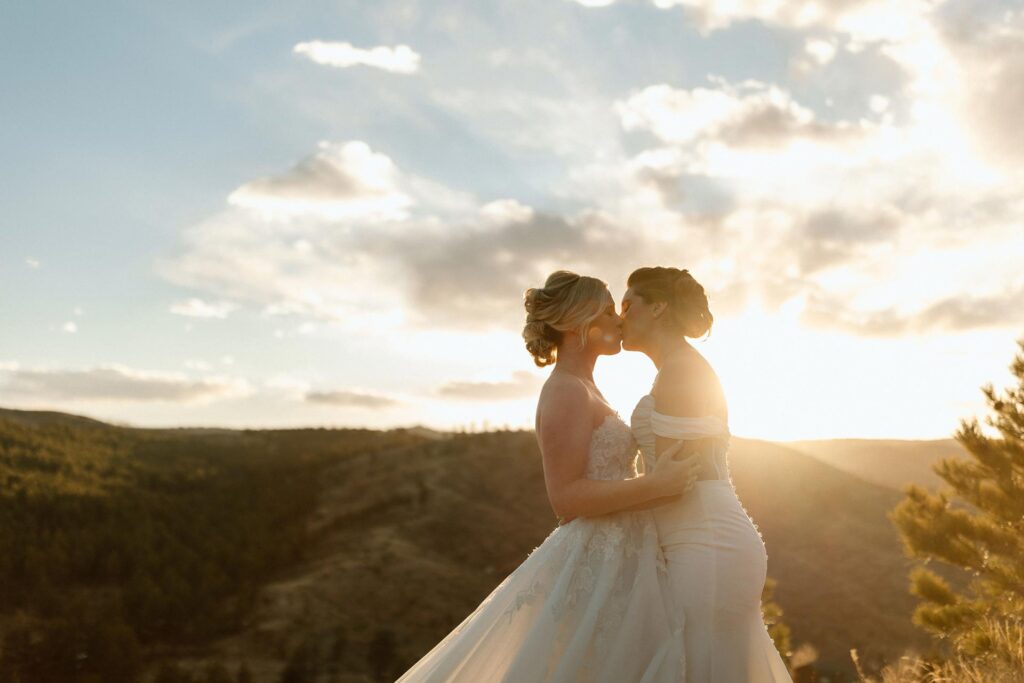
[(116, 538), (976, 524)]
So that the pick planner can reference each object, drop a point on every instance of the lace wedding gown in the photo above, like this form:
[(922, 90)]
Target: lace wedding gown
[(591, 603), (716, 561)]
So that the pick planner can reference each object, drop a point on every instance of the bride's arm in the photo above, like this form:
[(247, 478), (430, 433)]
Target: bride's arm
[(564, 431), (654, 502)]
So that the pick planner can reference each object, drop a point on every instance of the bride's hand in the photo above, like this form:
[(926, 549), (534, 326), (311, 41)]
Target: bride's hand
[(675, 476)]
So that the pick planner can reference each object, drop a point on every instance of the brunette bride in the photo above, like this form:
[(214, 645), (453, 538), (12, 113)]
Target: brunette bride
[(716, 559), (592, 602)]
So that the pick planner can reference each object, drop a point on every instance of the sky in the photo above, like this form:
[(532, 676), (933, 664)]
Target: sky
[(326, 213)]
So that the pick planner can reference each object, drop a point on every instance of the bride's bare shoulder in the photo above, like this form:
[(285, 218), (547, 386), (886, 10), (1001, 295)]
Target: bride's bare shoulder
[(562, 396), (684, 384), (563, 387)]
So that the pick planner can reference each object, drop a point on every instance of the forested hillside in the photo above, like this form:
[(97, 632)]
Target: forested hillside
[(346, 554), (115, 539)]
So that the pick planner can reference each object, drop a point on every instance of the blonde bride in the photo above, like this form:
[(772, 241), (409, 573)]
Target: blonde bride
[(593, 602)]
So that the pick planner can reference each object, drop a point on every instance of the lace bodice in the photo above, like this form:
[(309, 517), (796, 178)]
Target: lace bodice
[(647, 423), (612, 451)]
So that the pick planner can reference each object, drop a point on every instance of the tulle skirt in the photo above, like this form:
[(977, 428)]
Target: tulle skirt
[(717, 567), (590, 604)]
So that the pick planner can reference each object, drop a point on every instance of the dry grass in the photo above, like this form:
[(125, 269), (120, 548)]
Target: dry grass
[(1002, 663)]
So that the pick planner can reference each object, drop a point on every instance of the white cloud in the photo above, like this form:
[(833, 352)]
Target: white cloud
[(70, 327), (758, 190), (32, 263), (250, 257), (520, 385), (986, 48), (197, 308), (401, 59), (749, 114), (340, 181), (115, 383), (506, 211), (879, 103), (353, 399), (1002, 309), (821, 51), (863, 20)]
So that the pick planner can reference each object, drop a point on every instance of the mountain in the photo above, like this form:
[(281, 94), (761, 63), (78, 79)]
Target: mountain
[(889, 463), (419, 536), (352, 552), (840, 567), (48, 417)]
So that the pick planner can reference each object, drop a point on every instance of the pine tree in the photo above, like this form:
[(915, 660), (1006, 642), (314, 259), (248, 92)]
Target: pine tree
[(975, 524)]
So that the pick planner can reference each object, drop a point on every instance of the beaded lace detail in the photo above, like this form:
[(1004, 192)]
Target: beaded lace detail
[(612, 451), (586, 547)]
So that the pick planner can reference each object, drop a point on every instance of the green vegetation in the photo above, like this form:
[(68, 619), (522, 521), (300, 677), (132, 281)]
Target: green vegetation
[(976, 525), (115, 538), (350, 553)]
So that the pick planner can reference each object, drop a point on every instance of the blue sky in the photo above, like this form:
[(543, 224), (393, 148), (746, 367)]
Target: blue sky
[(326, 212)]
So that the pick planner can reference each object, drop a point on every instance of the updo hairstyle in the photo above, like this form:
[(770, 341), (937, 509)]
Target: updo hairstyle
[(687, 302), (566, 302)]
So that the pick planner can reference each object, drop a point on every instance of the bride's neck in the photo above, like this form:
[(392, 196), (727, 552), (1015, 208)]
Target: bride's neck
[(664, 345), (578, 364)]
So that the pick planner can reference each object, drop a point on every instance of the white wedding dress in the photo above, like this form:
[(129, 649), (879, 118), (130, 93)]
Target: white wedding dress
[(716, 559), (591, 603)]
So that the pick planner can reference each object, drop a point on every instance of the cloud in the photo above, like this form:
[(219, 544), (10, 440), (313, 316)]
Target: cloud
[(521, 385), (952, 314), (969, 312), (750, 114), (289, 268), (829, 237), (70, 327), (197, 308), (32, 263), (475, 277), (862, 19), (346, 180), (819, 50), (865, 20), (310, 242), (401, 59), (988, 47), (449, 255), (116, 383), (353, 399)]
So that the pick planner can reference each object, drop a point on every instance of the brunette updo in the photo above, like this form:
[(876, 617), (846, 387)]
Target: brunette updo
[(687, 302), (566, 302)]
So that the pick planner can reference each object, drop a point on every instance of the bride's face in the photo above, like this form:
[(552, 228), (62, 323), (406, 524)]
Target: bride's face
[(638, 321), (605, 333)]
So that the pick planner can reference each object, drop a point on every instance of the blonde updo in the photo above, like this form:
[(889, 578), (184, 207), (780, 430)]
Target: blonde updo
[(566, 302), (687, 302)]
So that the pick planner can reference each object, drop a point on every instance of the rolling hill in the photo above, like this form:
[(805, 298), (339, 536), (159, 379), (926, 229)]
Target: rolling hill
[(889, 463), (362, 549)]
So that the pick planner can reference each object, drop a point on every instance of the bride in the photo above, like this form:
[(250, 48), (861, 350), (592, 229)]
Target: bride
[(652, 578), (716, 559), (589, 603)]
